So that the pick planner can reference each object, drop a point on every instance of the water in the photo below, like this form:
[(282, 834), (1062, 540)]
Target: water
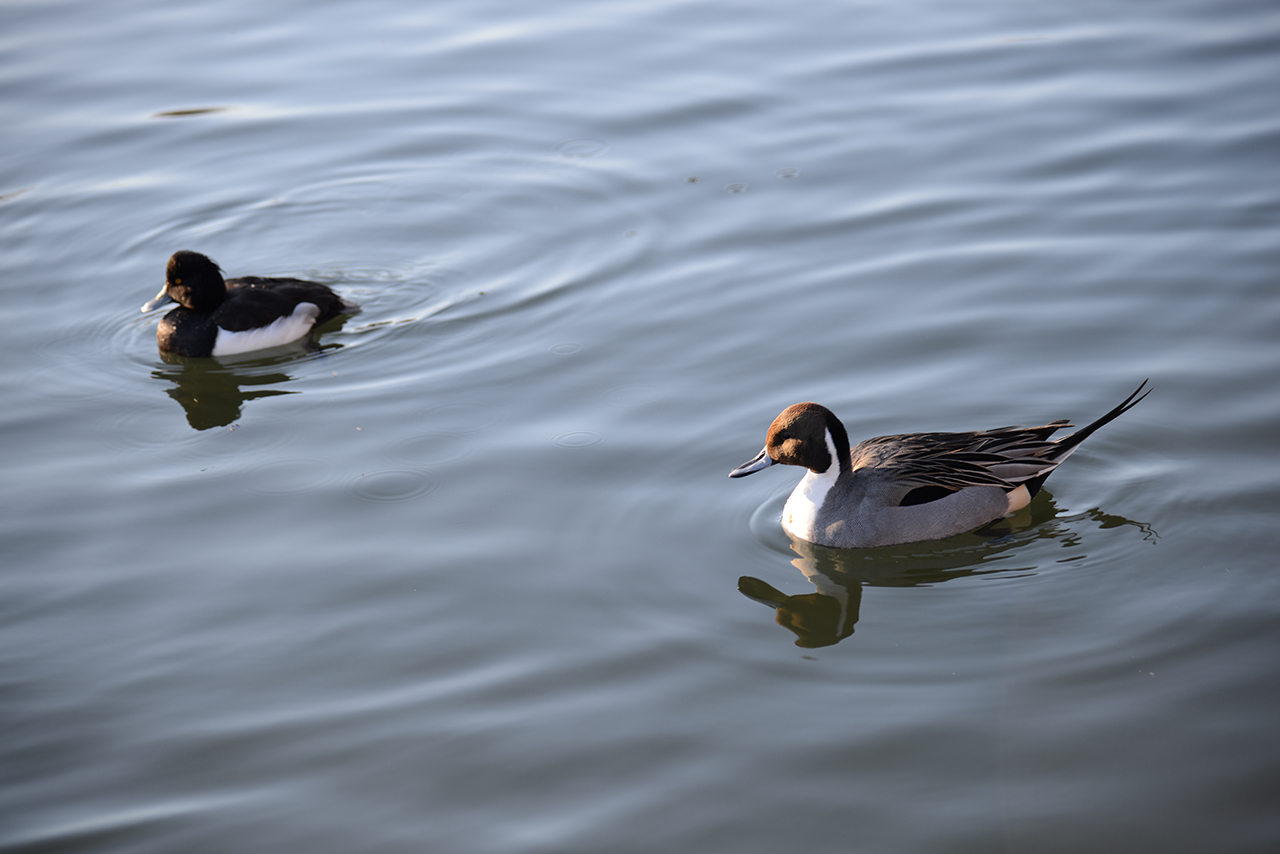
[(469, 575)]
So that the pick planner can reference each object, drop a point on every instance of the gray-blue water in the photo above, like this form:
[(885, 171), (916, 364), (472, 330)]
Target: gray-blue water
[(465, 577)]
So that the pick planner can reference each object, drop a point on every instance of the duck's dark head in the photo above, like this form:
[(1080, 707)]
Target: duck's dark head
[(798, 437), (191, 280)]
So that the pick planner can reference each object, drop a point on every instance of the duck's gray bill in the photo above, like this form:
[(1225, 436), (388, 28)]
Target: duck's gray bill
[(157, 301), (761, 461)]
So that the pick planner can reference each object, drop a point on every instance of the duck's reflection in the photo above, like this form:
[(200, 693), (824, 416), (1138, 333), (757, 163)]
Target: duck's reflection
[(828, 615), (213, 391)]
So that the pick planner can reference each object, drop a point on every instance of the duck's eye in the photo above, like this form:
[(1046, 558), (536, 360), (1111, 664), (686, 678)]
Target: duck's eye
[(177, 281), (784, 435)]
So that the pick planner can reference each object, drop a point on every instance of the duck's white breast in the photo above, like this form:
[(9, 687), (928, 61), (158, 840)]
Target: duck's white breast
[(800, 515)]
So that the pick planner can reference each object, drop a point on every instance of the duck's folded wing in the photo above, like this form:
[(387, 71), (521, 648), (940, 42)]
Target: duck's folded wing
[(249, 307), (923, 467), (1003, 458)]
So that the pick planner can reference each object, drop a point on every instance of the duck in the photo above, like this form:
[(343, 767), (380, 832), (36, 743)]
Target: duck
[(913, 487), (225, 317)]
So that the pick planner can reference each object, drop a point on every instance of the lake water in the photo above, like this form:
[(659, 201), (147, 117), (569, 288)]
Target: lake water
[(469, 576)]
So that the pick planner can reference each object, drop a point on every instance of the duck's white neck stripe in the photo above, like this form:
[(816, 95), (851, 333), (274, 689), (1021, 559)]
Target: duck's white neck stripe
[(800, 515)]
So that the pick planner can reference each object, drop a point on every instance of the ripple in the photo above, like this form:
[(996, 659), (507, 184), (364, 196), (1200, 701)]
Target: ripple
[(361, 272), (630, 393), (787, 172), (288, 477), (461, 417), (88, 360), (582, 147), (434, 448), (391, 486), (138, 424), (766, 523), (735, 188), (487, 229), (577, 439), (445, 432)]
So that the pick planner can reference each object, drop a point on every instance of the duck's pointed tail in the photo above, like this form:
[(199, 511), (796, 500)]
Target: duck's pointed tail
[(1067, 445), (1070, 443)]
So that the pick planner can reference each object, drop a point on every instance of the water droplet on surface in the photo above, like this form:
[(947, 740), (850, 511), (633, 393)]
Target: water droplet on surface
[(582, 147), (577, 439), (391, 485)]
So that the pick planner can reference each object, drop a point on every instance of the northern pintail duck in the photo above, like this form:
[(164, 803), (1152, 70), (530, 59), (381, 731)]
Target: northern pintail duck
[(218, 317), (918, 486)]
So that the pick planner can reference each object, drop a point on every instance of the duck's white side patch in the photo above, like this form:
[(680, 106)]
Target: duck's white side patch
[(1019, 498), (800, 515), (274, 334)]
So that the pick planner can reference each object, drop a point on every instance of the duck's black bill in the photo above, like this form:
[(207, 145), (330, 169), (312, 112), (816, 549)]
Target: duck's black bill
[(761, 461)]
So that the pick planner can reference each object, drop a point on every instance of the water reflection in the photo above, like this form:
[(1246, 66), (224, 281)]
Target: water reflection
[(828, 615), (213, 391)]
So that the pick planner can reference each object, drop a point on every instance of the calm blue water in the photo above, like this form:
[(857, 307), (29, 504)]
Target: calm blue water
[(469, 576)]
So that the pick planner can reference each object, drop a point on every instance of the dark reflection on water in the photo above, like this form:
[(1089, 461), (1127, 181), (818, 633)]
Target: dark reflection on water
[(214, 394), (193, 111), (828, 616), (213, 391)]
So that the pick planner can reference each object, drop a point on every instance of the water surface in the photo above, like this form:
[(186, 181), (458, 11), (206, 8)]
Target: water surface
[(466, 573)]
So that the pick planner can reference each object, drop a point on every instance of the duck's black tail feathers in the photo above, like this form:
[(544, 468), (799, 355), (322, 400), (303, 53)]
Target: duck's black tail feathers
[(1067, 444)]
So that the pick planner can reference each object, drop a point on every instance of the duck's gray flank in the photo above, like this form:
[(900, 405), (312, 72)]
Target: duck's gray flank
[(910, 487)]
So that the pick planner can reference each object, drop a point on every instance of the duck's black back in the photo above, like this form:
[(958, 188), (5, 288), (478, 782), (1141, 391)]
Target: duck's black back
[(255, 301)]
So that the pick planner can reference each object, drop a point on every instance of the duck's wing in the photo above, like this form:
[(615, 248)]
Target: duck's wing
[(250, 305), (255, 301), (931, 465), (1003, 457)]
